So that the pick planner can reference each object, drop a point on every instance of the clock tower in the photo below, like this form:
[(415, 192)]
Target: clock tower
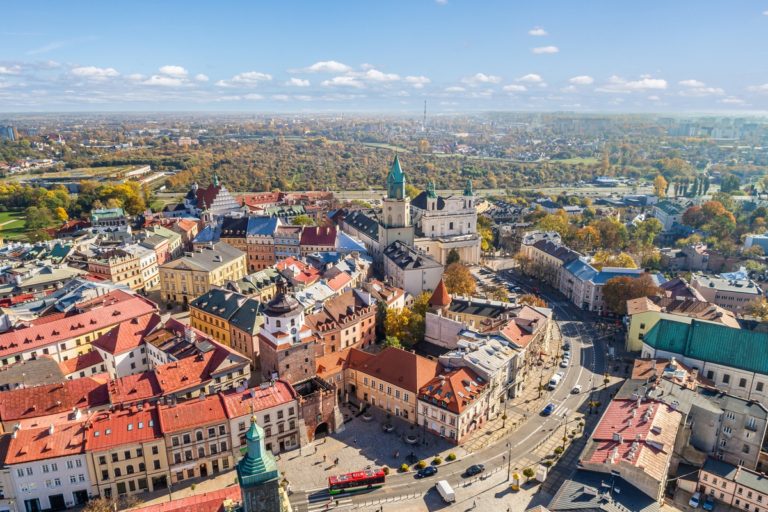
[(395, 220)]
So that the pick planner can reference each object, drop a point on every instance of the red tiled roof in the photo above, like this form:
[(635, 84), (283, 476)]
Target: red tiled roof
[(205, 196), (134, 388), (207, 502), (454, 391), (39, 443), (25, 403), (339, 282), (401, 368), (124, 426), (332, 363), (299, 271), (186, 225), (80, 363), (517, 330), (319, 235), (127, 335), (255, 200), (440, 297), (195, 413), (239, 403), (185, 373), (48, 332)]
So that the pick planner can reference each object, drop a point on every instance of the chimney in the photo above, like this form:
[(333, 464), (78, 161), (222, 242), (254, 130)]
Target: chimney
[(51, 430)]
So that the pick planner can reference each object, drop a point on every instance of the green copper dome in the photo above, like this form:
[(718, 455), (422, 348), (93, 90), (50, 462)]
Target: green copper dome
[(468, 190), (258, 465), (431, 190)]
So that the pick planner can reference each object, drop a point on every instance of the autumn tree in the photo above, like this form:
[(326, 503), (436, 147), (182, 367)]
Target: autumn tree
[(758, 308), (586, 239), (302, 220), (660, 185), (407, 325), (486, 233), (613, 234), (458, 280), (644, 233), (607, 259), (498, 293), (531, 300), (558, 222), (618, 290)]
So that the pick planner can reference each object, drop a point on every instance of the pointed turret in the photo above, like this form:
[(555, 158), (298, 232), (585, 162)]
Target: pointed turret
[(431, 190), (215, 180), (440, 297), (468, 189), (395, 181), (258, 465)]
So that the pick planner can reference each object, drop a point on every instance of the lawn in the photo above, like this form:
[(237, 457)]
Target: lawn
[(12, 225), (578, 160)]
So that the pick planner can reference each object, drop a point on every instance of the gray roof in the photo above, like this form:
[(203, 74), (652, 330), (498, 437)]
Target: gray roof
[(248, 318), (207, 258), (363, 223), (740, 475), (219, 303), (588, 491), (35, 372), (408, 258)]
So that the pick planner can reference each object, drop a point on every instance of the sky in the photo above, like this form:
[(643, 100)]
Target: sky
[(662, 56)]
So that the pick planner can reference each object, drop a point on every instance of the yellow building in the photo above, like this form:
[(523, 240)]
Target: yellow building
[(186, 278), (126, 453), (212, 311), (118, 266)]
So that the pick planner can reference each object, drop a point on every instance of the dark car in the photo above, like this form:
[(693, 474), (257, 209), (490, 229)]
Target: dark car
[(709, 503), (427, 471), (566, 346), (549, 409), (475, 469)]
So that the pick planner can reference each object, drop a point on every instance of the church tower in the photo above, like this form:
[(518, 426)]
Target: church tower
[(258, 475), (395, 219)]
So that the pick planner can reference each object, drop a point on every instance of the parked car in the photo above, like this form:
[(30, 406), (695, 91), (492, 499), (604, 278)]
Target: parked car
[(475, 469), (566, 354), (695, 500), (427, 471), (709, 503), (549, 409), (564, 363), (567, 345), (576, 389)]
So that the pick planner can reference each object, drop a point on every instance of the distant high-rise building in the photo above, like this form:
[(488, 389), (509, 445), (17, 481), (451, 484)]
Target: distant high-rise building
[(8, 133)]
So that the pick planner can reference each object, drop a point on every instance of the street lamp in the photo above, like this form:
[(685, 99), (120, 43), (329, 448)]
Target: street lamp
[(565, 428), (509, 460)]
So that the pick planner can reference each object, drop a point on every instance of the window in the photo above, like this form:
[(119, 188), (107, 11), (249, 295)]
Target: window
[(730, 415), (214, 449), (20, 472), (726, 378), (745, 448), (241, 426), (29, 471), (155, 450), (187, 439), (759, 388), (405, 397), (223, 429), (177, 458), (175, 441), (710, 375), (129, 469), (72, 479), (46, 468), (156, 464), (127, 454), (742, 383), (114, 457), (70, 465), (199, 434), (78, 463), (200, 452), (120, 487), (188, 455), (118, 472), (279, 415), (266, 418), (224, 446)]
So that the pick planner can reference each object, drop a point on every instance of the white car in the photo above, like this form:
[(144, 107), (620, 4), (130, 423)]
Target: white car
[(564, 363), (576, 389), (695, 500)]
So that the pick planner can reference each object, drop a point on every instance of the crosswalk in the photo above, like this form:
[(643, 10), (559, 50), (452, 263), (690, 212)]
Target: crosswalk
[(319, 503)]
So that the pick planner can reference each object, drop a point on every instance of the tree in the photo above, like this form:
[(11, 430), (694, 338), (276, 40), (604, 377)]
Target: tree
[(61, 214), (618, 290), (730, 183), (613, 234), (531, 300), (458, 280), (302, 220), (606, 259), (411, 191), (486, 233), (645, 232), (586, 239), (528, 473), (392, 341), (758, 308), (37, 218), (660, 185), (407, 325), (558, 222), (453, 257), (397, 323), (498, 293)]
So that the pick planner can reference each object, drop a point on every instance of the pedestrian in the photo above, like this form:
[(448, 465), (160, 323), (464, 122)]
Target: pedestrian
[(474, 503), (324, 457)]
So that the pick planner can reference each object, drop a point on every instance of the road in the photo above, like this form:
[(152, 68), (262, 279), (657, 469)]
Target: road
[(587, 367)]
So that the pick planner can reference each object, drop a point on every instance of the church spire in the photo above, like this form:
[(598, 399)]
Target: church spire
[(431, 190), (468, 190), (215, 179), (395, 181)]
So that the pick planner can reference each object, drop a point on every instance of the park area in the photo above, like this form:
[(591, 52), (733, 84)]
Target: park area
[(13, 225)]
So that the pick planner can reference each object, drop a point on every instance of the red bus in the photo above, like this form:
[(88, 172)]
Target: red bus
[(357, 481)]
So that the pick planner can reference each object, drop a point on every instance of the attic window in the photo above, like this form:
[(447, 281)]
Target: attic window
[(151, 423), (96, 434), (141, 424), (108, 431), (130, 426)]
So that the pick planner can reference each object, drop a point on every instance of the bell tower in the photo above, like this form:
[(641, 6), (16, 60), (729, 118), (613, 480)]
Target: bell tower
[(395, 219)]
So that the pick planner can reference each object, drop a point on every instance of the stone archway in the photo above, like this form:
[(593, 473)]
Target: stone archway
[(321, 430)]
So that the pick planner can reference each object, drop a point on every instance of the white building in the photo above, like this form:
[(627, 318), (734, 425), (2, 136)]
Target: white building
[(122, 347), (150, 270), (48, 467), (413, 271)]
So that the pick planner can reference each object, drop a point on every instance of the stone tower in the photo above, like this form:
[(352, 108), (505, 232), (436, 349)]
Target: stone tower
[(395, 220), (257, 474)]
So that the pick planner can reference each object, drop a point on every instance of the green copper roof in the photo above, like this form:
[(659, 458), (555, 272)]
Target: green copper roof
[(258, 465), (714, 343), (395, 181), (215, 180), (431, 190), (468, 190)]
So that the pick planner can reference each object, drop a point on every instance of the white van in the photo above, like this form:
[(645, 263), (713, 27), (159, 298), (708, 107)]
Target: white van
[(555, 380), (446, 491)]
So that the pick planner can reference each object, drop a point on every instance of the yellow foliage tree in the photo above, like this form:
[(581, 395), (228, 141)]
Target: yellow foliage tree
[(660, 186), (606, 259), (61, 214), (458, 280)]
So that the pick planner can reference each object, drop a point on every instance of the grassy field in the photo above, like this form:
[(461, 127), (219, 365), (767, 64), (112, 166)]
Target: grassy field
[(12, 225), (578, 160), (79, 173)]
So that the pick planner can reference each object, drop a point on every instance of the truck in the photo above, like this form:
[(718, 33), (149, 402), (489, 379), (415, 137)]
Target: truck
[(555, 380), (446, 491)]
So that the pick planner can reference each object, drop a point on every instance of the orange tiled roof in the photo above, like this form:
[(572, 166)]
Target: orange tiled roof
[(195, 413), (454, 391), (25, 403), (40, 443), (440, 297), (401, 368), (207, 502), (239, 403), (128, 335), (82, 362), (125, 426)]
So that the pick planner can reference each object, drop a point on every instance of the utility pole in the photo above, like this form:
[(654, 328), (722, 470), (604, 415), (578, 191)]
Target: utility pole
[(509, 460), (565, 428)]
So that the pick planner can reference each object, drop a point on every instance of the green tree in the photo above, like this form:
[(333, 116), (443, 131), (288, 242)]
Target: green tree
[(453, 257), (392, 341), (458, 280), (38, 218), (302, 220)]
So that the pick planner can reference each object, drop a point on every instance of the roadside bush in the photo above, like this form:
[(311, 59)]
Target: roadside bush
[(437, 461), (385, 469), (559, 450), (404, 468), (451, 457), (421, 464), (528, 473)]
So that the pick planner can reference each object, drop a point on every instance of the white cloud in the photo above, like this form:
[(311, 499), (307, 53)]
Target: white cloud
[(654, 98), (281, 97), (454, 89), (765, 13), (514, 88), (418, 82), (374, 75), (758, 88), (441, 2), (537, 31), (343, 81), (481, 78), (10, 70), (247, 79), (545, 49), (201, 77), (164, 81), (731, 100), (328, 66), (136, 77), (691, 83), (532, 78), (94, 73), (303, 97), (174, 71), (253, 96), (582, 80), (617, 84), (298, 82)]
